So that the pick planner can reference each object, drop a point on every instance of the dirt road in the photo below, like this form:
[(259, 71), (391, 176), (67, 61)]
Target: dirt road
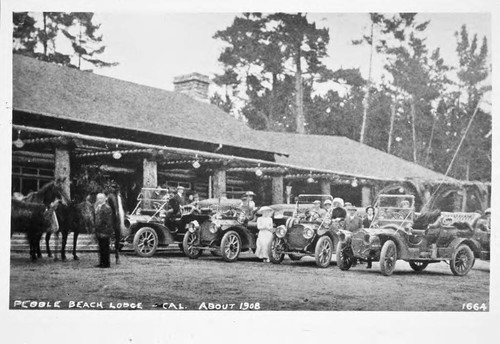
[(170, 280)]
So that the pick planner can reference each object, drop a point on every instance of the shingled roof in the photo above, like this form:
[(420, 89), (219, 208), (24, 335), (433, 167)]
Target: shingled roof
[(60, 92), (344, 156), (65, 93)]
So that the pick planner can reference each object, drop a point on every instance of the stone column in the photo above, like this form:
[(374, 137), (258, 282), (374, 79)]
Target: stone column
[(277, 187), (326, 188), (219, 183), (366, 196), (62, 168), (149, 174)]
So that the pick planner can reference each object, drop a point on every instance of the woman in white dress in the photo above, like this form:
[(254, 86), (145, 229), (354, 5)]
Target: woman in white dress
[(265, 237)]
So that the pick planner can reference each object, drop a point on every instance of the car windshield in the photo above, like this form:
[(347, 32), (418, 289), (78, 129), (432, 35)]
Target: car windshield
[(395, 201), (307, 202), (394, 209), (151, 199)]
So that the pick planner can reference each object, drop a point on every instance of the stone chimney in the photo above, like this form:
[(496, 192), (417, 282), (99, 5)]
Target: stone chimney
[(194, 85)]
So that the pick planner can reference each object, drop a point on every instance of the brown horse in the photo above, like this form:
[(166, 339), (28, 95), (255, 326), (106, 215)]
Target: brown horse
[(28, 214)]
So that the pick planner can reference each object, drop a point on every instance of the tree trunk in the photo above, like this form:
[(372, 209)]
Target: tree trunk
[(430, 141), (391, 129), (414, 134), (367, 93), (44, 41), (298, 94), (272, 106)]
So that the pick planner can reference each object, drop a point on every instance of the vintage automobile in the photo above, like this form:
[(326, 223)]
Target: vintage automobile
[(396, 233), (221, 230), (306, 234), (148, 228)]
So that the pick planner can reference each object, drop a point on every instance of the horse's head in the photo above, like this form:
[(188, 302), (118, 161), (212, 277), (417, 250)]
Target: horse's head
[(51, 192)]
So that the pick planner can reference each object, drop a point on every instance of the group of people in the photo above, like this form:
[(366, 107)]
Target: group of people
[(334, 209)]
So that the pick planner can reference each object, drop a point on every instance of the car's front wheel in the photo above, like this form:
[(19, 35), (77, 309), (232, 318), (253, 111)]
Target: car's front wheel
[(145, 242), (188, 245), (344, 256), (388, 257), (418, 266), (323, 252), (462, 260), (230, 246), (277, 248)]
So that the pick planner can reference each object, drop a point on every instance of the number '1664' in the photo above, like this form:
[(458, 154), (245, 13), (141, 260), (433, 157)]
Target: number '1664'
[(474, 306)]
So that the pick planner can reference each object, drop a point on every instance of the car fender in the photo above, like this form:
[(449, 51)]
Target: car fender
[(400, 244), (164, 235), (247, 240), (473, 244)]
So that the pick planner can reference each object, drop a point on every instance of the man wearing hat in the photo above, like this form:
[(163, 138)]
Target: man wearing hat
[(484, 223), (103, 229), (247, 203), (352, 221), (328, 206), (176, 202), (317, 212)]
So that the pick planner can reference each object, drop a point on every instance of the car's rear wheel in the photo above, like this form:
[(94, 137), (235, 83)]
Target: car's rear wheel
[(462, 260), (295, 256), (344, 256), (230, 246), (418, 266), (388, 257), (323, 252), (277, 248), (145, 242), (188, 244)]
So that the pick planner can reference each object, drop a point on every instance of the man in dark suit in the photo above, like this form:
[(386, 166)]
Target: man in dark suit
[(103, 229)]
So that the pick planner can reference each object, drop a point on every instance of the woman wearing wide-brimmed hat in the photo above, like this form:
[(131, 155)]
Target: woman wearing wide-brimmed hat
[(265, 237)]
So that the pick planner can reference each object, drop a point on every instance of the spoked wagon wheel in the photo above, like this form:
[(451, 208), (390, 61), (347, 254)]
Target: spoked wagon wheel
[(323, 252), (277, 248), (230, 246), (418, 265), (145, 242), (344, 256), (188, 244), (388, 257), (462, 260)]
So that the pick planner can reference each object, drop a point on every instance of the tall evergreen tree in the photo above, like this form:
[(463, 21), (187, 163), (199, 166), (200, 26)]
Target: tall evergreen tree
[(264, 54), (36, 35)]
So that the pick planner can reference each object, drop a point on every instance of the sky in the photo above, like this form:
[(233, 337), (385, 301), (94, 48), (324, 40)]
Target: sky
[(153, 48)]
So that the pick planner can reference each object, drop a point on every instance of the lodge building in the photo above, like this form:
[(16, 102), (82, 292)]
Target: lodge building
[(64, 120)]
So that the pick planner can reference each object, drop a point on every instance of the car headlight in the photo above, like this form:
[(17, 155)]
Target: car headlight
[(127, 223), (212, 228), (281, 231), (193, 226), (308, 233), (367, 238)]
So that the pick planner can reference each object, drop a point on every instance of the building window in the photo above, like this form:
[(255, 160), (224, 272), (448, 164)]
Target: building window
[(29, 179), (234, 192), (174, 184)]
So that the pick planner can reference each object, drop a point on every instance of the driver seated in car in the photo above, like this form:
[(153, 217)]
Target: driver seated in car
[(316, 212)]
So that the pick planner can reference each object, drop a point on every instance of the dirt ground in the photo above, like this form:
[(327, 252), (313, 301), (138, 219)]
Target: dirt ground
[(171, 281)]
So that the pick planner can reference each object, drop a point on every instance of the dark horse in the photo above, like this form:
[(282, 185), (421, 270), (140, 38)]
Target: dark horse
[(79, 217), (28, 214)]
